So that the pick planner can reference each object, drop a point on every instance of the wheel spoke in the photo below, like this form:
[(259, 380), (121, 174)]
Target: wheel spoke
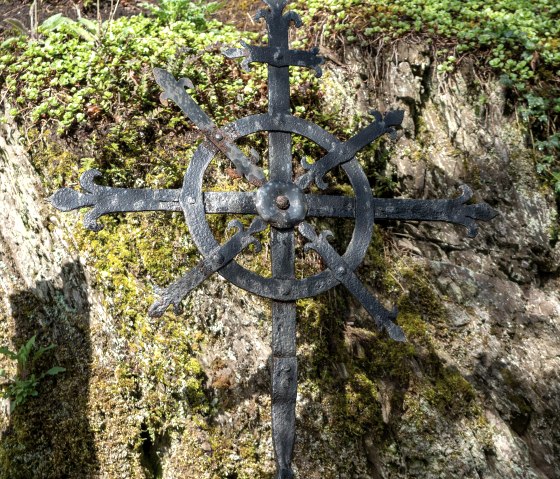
[(344, 152), (319, 242), (175, 90), (221, 256)]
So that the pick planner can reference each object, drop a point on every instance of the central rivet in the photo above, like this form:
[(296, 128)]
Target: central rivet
[(282, 202)]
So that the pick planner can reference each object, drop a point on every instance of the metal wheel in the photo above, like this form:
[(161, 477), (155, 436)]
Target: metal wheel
[(193, 205)]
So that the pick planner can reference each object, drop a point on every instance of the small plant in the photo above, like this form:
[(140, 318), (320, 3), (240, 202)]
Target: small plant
[(170, 11), (24, 384)]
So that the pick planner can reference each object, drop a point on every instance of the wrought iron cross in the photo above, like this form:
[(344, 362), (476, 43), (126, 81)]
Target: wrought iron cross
[(280, 201)]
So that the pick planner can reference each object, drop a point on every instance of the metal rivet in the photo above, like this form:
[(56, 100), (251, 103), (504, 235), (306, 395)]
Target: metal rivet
[(218, 258), (283, 202), (341, 270), (190, 200), (219, 137)]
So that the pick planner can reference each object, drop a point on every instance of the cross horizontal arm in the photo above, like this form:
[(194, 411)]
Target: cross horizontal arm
[(450, 211), (344, 152), (244, 203), (341, 271), (326, 206), (277, 56), (217, 259), (105, 200), (175, 90)]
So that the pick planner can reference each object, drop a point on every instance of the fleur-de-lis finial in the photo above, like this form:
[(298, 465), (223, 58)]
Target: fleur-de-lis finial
[(275, 17), (276, 4)]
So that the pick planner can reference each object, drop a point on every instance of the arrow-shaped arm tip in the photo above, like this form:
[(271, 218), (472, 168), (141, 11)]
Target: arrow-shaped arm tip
[(67, 199), (157, 309), (163, 77), (344, 152), (468, 215), (394, 331), (277, 5), (217, 259)]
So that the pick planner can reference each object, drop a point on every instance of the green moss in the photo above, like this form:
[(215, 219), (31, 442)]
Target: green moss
[(515, 41), (36, 439), (346, 366), (451, 393), (420, 297)]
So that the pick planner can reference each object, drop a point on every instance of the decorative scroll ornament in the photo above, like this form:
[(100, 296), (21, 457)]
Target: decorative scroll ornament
[(282, 202)]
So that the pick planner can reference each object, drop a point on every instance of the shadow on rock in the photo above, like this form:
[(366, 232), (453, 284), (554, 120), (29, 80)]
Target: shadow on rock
[(49, 436)]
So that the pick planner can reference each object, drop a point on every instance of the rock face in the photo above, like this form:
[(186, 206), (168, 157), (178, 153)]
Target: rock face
[(500, 290), (46, 292), (474, 394)]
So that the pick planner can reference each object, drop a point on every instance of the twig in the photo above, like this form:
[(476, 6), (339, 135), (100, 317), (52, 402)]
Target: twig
[(98, 19), (77, 8), (33, 19), (112, 13), (113, 10), (397, 281)]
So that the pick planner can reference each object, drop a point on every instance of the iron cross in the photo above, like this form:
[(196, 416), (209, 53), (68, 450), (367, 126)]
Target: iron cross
[(279, 201)]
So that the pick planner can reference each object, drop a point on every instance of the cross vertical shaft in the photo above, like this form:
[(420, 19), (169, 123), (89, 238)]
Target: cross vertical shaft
[(284, 362)]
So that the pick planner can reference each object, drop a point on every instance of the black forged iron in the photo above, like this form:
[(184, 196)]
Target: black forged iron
[(276, 288), (282, 203), (346, 151), (106, 200), (277, 57), (383, 318), (175, 90), (176, 292)]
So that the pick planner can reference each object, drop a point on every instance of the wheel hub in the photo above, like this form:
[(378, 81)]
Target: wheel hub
[(281, 204)]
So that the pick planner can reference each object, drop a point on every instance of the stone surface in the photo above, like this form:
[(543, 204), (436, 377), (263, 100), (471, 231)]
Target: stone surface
[(501, 289), (475, 395)]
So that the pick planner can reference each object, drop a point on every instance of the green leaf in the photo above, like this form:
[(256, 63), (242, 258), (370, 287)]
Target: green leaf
[(25, 350), (89, 24), (5, 44), (82, 32), (54, 21), (17, 25), (6, 352), (55, 370), (42, 350)]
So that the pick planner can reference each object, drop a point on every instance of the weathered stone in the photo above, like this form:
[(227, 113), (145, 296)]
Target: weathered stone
[(476, 395)]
